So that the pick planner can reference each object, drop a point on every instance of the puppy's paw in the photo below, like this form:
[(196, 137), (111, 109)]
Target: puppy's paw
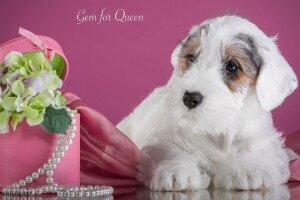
[(242, 180), (172, 177)]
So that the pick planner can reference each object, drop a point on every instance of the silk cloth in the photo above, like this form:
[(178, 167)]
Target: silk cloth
[(108, 157)]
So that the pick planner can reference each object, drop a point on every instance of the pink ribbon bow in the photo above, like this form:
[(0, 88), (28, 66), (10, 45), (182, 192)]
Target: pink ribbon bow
[(49, 53)]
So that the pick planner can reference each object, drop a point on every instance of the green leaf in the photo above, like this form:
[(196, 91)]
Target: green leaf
[(56, 120), (8, 103), (18, 88)]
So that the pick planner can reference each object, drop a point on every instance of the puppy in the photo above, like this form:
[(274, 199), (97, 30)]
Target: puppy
[(212, 123)]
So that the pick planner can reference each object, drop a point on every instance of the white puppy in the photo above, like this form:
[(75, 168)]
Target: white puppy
[(212, 121)]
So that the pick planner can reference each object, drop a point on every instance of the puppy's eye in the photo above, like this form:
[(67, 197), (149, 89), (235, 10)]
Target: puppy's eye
[(231, 66), (191, 58)]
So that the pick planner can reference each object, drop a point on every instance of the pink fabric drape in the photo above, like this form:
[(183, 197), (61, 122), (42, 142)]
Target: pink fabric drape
[(108, 157), (293, 142)]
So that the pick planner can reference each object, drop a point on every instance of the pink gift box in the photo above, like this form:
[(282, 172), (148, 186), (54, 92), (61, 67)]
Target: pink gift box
[(29, 147)]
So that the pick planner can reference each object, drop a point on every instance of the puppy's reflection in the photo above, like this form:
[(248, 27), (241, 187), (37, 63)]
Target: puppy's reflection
[(276, 193)]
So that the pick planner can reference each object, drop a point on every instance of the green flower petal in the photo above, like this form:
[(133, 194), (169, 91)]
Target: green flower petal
[(4, 118), (18, 88), (8, 103), (19, 104), (27, 66), (29, 88), (28, 92), (60, 100), (15, 120), (44, 99), (52, 84), (36, 121), (30, 112), (33, 67), (23, 71), (14, 58), (37, 106), (40, 60), (3, 79)]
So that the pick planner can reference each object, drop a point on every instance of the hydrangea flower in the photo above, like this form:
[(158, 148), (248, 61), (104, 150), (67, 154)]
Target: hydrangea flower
[(27, 88)]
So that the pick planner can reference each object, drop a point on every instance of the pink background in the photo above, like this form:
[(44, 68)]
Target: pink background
[(113, 65)]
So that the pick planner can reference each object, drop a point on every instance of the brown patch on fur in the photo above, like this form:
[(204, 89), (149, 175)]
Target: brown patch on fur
[(246, 74), (190, 47)]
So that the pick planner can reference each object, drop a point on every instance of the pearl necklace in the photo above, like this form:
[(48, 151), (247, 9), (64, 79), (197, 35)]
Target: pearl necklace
[(48, 168)]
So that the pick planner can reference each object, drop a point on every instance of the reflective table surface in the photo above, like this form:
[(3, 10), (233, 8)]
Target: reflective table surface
[(284, 192)]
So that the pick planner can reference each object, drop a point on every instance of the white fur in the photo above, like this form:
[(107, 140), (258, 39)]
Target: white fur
[(229, 139)]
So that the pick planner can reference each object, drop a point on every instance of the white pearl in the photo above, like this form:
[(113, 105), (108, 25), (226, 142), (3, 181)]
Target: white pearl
[(29, 179), (68, 109), (35, 175), (73, 128), (60, 141), (16, 185), (55, 188), (46, 188), (88, 194), (73, 121), (49, 180), (41, 171), (22, 183), (69, 141), (82, 188), (31, 191), (52, 166), (61, 154), (56, 160), (49, 173), (50, 188), (23, 191), (55, 154), (46, 166), (61, 136), (90, 187), (71, 114), (39, 191), (71, 135), (65, 148)]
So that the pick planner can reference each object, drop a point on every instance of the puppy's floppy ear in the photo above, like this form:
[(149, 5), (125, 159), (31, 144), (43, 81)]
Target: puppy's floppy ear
[(175, 56), (276, 79)]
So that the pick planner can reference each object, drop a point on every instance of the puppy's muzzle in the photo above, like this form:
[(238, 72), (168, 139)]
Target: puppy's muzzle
[(192, 99)]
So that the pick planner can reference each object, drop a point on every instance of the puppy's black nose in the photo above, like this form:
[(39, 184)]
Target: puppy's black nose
[(192, 99)]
